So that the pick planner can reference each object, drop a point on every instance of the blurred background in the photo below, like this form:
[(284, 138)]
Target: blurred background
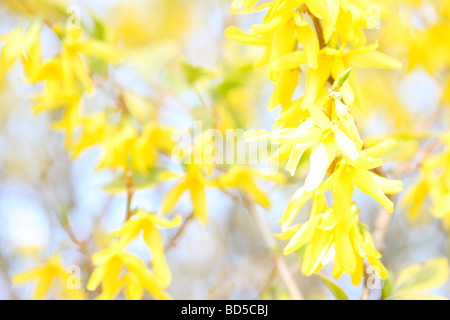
[(41, 185)]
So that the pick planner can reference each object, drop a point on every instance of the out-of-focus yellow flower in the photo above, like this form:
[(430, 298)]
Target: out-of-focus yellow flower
[(434, 182), (52, 271), (195, 182), (146, 223), (18, 43), (74, 47), (242, 177), (333, 63), (53, 10), (124, 141), (139, 22), (111, 261), (55, 94), (137, 278)]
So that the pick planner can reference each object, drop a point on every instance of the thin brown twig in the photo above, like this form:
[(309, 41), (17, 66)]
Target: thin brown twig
[(280, 263), (319, 31), (278, 257), (365, 293), (173, 242), (200, 96), (269, 281), (130, 191)]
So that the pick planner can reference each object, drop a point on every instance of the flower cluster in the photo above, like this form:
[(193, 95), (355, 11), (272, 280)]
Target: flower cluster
[(316, 54), (131, 136), (137, 277), (323, 39), (434, 179)]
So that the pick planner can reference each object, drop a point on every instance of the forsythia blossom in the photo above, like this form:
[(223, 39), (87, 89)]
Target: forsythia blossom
[(325, 38), (53, 271), (111, 260)]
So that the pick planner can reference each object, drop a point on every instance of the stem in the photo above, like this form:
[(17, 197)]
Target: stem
[(365, 293), (319, 31), (130, 191), (384, 218), (280, 263), (180, 232), (200, 96)]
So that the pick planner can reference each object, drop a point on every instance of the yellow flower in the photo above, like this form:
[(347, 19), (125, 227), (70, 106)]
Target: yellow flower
[(333, 63), (146, 223), (51, 9), (46, 275), (136, 278), (122, 141), (74, 70), (348, 174), (111, 261), (18, 43), (434, 183), (323, 136), (242, 177), (327, 239), (153, 140), (195, 182), (55, 94)]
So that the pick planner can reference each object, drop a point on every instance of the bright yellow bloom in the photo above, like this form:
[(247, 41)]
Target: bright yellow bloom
[(74, 70), (53, 10), (55, 94), (323, 136), (335, 232), (350, 173), (321, 121), (327, 239), (52, 271), (112, 260), (125, 145), (344, 18), (195, 182), (242, 177), (333, 63), (136, 278), (146, 223), (434, 182), (18, 43)]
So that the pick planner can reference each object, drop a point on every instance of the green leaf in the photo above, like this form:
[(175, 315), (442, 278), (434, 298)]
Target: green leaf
[(233, 78), (195, 73), (205, 115), (98, 66), (98, 29), (416, 135), (415, 277), (339, 82), (416, 296), (338, 293), (386, 292), (140, 181), (63, 215)]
